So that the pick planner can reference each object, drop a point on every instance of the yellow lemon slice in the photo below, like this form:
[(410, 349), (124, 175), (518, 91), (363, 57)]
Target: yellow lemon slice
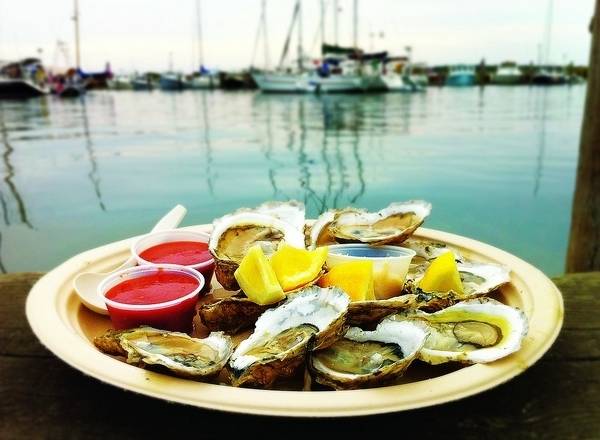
[(354, 277), (296, 267), (442, 275), (257, 278)]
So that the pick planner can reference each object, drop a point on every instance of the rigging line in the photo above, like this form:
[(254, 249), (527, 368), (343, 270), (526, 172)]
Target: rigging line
[(256, 39), (286, 46), (320, 30)]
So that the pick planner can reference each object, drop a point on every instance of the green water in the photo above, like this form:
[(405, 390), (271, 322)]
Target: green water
[(498, 163)]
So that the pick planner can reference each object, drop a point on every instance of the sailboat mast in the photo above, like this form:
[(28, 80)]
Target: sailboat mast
[(300, 64), (322, 22), (76, 22), (265, 35), (548, 32), (199, 29), (355, 27), (335, 20)]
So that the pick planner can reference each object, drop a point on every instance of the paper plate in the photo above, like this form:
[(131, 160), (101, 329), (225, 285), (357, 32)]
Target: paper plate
[(67, 328)]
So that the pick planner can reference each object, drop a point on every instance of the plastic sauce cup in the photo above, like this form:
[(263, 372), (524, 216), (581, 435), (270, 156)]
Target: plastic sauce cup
[(175, 315), (206, 268), (390, 264)]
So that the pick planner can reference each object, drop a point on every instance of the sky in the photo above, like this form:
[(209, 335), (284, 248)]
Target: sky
[(146, 34)]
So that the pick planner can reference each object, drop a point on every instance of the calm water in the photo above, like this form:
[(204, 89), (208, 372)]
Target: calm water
[(498, 164)]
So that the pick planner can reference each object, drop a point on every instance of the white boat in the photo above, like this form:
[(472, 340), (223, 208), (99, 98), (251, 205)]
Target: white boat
[(395, 82), (284, 82), (343, 83), (200, 82), (120, 82), (23, 79), (508, 73)]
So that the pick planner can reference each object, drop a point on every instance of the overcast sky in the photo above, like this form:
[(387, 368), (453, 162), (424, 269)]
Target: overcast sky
[(140, 34)]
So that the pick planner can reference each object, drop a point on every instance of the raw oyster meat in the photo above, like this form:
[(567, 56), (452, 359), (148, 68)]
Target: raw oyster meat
[(368, 358), (474, 331), (235, 233), (391, 225), (183, 355), (309, 319)]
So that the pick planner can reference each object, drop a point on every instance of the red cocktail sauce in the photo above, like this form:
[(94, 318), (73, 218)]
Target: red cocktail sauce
[(155, 288), (185, 253)]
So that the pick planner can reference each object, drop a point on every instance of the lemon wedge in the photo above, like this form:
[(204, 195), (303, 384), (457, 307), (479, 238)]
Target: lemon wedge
[(354, 277), (442, 275), (296, 267), (257, 278)]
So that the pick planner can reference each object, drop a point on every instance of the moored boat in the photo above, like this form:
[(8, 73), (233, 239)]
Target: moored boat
[(508, 73), (547, 76), (23, 79), (171, 81), (284, 82), (460, 76)]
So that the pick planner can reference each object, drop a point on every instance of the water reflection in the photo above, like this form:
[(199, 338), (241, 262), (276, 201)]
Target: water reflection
[(206, 141), (10, 175), (542, 114), (93, 174)]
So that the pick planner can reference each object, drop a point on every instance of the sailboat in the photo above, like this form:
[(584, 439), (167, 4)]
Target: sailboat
[(545, 74), (201, 79), (286, 80)]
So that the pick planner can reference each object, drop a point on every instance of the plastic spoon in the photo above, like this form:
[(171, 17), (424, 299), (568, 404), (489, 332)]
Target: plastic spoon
[(86, 283)]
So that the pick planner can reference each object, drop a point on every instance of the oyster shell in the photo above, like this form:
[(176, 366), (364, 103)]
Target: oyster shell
[(478, 279), (231, 314), (309, 319), (474, 331), (234, 234), (393, 224), (368, 358), (430, 250), (367, 313), (183, 355)]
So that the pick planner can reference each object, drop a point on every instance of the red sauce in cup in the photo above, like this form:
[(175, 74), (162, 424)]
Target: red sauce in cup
[(185, 253), (128, 298), (153, 289)]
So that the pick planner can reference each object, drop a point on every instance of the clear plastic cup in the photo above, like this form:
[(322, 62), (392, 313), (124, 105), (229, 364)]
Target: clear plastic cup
[(390, 264), (206, 268), (175, 315)]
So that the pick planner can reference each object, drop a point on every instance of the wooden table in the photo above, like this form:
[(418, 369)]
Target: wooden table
[(559, 397)]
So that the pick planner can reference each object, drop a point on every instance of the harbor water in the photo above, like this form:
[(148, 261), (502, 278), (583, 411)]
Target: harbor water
[(497, 163)]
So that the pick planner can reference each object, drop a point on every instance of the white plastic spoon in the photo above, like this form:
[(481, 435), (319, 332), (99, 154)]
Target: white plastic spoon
[(86, 283)]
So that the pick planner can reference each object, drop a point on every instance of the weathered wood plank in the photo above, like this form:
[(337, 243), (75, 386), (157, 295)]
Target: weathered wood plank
[(584, 242), (559, 397)]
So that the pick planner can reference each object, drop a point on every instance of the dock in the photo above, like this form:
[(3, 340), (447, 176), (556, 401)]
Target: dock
[(557, 398)]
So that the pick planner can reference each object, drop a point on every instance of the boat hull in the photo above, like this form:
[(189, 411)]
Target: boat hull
[(460, 80), (141, 84), (20, 89), (283, 83), (170, 83), (396, 83), (507, 80), (342, 84)]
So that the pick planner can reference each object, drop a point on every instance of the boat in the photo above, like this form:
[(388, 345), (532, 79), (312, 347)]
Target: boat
[(548, 76), (141, 82), (68, 84), (199, 81), (285, 82), (397, 76), (120, 82), (171, 81), (460, 75), (339, 73), (236, 80), (508, 73), (23, 79)]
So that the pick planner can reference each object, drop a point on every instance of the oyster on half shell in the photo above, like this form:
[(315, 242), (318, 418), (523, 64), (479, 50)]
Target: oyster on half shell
[(368, 358), (474, 331), (393, 224), (309, 319), (478, 279), (235, 233), (183, 355)]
